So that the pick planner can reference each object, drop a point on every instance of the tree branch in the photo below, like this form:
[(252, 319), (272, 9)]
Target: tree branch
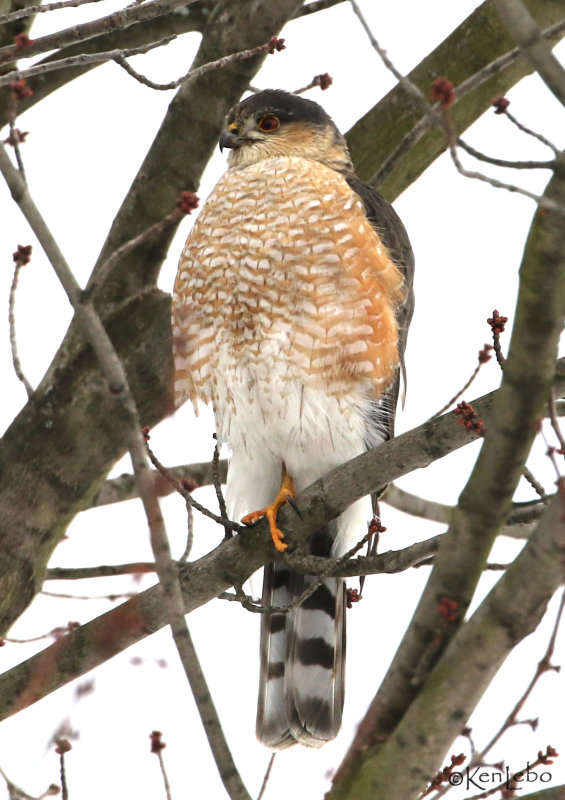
[(511, 611), (465, 56), (486, 499), (132, 15), (69, 434), (523, 29), (236, 559)]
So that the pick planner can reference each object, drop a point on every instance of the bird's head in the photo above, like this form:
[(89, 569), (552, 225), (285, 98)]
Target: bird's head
[(276, 123)]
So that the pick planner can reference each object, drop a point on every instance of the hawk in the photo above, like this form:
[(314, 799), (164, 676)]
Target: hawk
[(290, 312)]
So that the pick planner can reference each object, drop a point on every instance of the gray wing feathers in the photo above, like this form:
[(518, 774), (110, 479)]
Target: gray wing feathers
[(392, 232)]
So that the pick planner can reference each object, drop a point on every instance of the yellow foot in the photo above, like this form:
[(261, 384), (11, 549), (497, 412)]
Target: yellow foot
[(286, 491)]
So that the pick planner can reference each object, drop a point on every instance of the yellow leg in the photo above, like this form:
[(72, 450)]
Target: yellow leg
[(286, 491)]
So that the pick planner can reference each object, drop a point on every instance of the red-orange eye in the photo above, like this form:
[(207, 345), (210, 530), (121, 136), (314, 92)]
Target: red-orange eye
[(269, 123)]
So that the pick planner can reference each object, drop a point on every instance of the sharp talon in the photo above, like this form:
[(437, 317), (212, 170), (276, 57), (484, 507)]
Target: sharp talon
[(291, 501), (250, 520)]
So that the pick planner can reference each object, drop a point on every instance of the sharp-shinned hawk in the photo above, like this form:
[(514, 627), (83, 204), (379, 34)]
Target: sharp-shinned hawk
[(290, 313)]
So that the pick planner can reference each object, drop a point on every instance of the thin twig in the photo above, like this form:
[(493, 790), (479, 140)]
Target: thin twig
[(501, 162), (189, 532), (267, 776), (483, 358), (464, 88), (243, 55), (218, 486), (31, 11), (543, 666), (182, 490), (16, 793), (82, 60), (119, 20), (444, 122), (110, 597), (14, 140), (524, 30), (408, 85), (167, 569), (534, 483), (324, 81), (293, 561), (63, 746), (157, 747), (19, 263), (98, 278), (542, 202), (555, 422), (103, 571), (530, 132)]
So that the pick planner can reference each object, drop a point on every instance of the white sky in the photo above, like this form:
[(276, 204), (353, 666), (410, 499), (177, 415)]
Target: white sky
[(83, 151)]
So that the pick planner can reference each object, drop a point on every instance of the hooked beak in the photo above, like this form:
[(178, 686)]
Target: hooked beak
[(228, 139)]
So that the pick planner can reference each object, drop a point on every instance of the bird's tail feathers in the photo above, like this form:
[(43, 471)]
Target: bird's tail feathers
[(301, 686)]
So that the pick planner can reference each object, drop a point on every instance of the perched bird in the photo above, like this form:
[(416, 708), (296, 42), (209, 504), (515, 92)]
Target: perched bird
[(290, 313)]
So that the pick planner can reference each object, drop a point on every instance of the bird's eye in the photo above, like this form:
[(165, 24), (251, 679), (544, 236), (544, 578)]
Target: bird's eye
[(269, 123)]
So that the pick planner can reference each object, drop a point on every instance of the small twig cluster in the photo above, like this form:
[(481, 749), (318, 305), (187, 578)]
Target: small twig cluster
[(469, 418), (497, 325), (483, 357), (443, 775)]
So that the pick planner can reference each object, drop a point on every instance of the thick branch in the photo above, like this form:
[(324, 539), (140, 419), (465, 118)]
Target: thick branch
[(475, 44), (60, 448), (132, 15), (486, 500), (523, 29), (235, 559), (511, 611)]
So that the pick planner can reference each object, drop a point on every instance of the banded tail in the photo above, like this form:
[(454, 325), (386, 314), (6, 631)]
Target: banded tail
[(302, 673)]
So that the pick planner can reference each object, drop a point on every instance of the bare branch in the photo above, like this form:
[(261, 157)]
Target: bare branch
[(543, 666), (530, 132), (485, 501), (235, 560), (21, 257), (83, 60), (117, 490), (442, 121), (119, 20), (31, 11), (501, 162), (482, 359), (513, 609), (197, 72), (168, 573), (525, 32), (104, 571), (267, 776), (472, 83), (551, 34), (106, 267), (157, 746), (408, 85), (317, 5), (541, 201), (516, 526)]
